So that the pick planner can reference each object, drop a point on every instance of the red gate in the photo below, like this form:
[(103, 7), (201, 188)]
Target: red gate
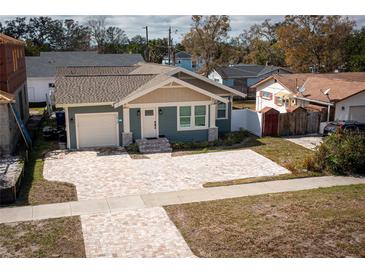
[(270, 120)]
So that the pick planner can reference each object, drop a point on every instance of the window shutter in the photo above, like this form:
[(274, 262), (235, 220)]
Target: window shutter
[(270, 96), (275, 100), (260, 93)]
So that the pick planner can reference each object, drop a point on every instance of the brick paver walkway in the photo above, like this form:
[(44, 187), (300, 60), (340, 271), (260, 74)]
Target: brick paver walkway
[(136, 233)]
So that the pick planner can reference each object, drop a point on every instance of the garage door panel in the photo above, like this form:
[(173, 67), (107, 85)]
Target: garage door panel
[(357, 113), (97, 130)]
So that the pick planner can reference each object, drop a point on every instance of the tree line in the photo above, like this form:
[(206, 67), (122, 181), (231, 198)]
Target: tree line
[(304, 43)]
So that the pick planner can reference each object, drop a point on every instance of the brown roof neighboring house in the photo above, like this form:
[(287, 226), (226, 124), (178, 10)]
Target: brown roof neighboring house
[(313, 86)]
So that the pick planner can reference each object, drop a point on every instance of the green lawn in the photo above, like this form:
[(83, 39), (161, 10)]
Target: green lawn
[(60, 237), (327, 222), (35, 189), (241, 104)]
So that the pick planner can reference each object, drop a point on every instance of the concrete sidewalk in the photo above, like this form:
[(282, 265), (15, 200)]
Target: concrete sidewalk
[(118, 204)]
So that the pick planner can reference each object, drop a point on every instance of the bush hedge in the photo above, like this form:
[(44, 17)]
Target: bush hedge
[(227, 139), (340, 153)]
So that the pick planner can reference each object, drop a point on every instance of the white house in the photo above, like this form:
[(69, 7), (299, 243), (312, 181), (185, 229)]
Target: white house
[(242, 77), (41, 70), (342, 94)]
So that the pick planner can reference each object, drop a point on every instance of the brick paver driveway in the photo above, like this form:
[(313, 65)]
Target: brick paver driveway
[(99, 175)]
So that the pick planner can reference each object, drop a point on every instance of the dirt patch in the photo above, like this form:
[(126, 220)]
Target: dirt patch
[(52, 238), (328, 222)]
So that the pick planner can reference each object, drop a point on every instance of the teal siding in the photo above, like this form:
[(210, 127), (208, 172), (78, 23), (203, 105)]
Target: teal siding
[(168, 127), (90, 109), (224, 125), (135, 122)]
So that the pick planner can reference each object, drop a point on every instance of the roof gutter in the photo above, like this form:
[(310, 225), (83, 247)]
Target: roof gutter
[(314, 101)]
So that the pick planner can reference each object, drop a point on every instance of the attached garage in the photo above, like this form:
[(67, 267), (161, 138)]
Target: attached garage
[(357, 113), (97, 129)]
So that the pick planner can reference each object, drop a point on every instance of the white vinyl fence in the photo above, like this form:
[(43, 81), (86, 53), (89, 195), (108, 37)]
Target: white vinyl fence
[(247, 119)]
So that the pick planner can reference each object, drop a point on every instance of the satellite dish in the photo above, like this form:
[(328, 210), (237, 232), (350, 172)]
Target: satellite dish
[(327, 91), (301, 89)]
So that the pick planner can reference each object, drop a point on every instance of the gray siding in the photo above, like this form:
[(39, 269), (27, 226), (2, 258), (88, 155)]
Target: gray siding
[(168, 127), (135, 122), (90, 109), (224, 125)]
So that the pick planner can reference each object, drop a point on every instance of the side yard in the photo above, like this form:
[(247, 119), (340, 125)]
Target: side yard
[(328, 222), (35, 189)]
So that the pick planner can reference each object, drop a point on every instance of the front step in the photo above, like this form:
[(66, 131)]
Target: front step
[(158, 145)]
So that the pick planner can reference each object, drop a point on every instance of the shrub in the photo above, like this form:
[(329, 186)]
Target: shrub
[(227, 139), (340, 153)]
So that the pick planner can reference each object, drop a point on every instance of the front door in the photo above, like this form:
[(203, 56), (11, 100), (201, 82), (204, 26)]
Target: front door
[(149, 123)]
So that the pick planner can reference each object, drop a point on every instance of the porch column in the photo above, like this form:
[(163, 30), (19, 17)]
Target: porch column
[(126, 122), (213, 109), (127, 136), (213, 130)]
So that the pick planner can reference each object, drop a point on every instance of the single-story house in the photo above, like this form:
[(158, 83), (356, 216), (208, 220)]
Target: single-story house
[(185, 60), (341, 94), (13, 92), (243, 76), (107, 106), (41, 70)]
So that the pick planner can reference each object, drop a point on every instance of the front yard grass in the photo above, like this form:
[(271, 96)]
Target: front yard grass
[(60, 237), (326, 222), (35, 189)]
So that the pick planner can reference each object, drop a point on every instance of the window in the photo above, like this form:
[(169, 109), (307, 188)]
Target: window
[(51, 85), (148, 112), (192, 117), (279, 100), (266, 95), (222, 110), (185, 117), (200, 113)]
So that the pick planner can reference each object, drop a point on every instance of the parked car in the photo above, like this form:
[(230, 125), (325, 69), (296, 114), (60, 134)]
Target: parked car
[(343, 125)]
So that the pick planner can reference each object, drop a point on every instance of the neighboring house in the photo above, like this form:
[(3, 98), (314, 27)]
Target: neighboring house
[(342, 95), (41, 70), (116, 105), (13, 92), (184, 60), (243, 76)]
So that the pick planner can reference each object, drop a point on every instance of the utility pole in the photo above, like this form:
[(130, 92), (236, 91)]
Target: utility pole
[(169, 46), (147, 53)]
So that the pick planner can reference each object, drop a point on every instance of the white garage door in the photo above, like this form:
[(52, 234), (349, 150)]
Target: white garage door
[(357, 113), (95, 130)]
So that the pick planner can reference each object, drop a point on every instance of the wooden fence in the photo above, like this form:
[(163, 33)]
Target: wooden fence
[(297, 122)]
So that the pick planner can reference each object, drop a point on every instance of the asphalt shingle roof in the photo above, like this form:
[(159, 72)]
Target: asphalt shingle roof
[(97, 89), (340, 85), (245, 70), (46, 64)]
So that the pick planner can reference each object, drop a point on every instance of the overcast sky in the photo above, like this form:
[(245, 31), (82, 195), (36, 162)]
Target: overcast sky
[(158, 25)]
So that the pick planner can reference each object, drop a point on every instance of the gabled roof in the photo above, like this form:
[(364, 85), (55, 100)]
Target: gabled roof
[(246, 70), (45, 65), (88, 85), (313, 86)]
